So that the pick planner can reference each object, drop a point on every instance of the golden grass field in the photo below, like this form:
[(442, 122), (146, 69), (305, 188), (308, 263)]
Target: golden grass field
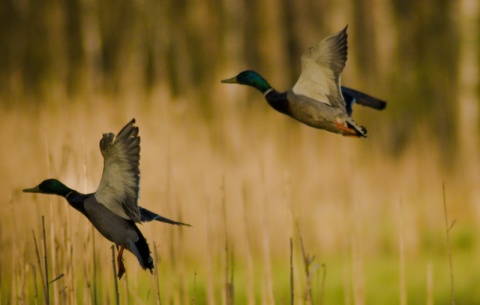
[(247, 179)]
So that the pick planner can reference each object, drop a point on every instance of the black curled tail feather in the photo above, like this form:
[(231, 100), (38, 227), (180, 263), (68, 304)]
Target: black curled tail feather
[(142, 251), (142, 246)]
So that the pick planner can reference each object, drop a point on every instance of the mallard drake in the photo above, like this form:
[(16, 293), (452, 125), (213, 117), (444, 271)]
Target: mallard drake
[(317, 99), (113, 209)]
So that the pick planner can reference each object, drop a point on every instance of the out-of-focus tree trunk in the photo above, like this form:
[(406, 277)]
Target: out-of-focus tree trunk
[(422, 77), (363, 26), (91, 43)]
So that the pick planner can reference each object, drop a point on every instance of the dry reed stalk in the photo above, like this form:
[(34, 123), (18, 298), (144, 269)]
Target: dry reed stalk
[(14, 254), (347, 272), (194, 288), (309, 270), (115, 280), (68, 254), (225, 236), (168, 286), (34, 279), (268, 277), (289, 208), (401, 249), (429, 284), (357, 259), (94, 255), (231, 295), (126, 291), (45, 281), (47, 290), (21, 281), (248, 251), (322, 287), (179, 248), (209, 268), (52, 216), (157, 280), (307, 262), (289, 205), (228, 271), (49, 170), (88, 287), (448, 227), (94, 261), (39, 265), (292, 285)]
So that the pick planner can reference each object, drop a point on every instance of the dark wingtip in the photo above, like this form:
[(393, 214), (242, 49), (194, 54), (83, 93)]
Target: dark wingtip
[(354, 96), (147, 215), (372, 103), (381, 105), (183, 224)]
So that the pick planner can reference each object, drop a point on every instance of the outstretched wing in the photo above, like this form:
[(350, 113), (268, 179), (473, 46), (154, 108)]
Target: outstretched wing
[(321, 69), (119, 187)]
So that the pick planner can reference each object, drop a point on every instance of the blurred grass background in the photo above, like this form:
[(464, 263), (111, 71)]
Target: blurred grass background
[(219, 158)]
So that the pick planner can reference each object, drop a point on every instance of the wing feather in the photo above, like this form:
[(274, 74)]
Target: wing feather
[(321, 68), (119, 188)]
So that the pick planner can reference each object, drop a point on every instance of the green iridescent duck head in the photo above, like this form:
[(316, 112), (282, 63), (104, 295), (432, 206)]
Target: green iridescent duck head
[(50, 186), (249, 78)]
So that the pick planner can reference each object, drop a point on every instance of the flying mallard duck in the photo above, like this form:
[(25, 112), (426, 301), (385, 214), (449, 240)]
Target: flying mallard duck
[(317, 99), (113, 209)]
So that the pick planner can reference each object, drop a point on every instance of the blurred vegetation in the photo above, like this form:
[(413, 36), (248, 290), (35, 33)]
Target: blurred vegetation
[(406, 52), (369, 209)]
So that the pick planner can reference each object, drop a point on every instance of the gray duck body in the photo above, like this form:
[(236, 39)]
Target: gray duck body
[(310, 112), (113, 227), (315, 114)]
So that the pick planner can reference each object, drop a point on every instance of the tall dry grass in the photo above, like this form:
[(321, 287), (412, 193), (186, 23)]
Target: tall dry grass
[(248, 177)]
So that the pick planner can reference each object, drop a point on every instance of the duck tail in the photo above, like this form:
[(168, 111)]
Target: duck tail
[(360, 130), (142, 251)]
